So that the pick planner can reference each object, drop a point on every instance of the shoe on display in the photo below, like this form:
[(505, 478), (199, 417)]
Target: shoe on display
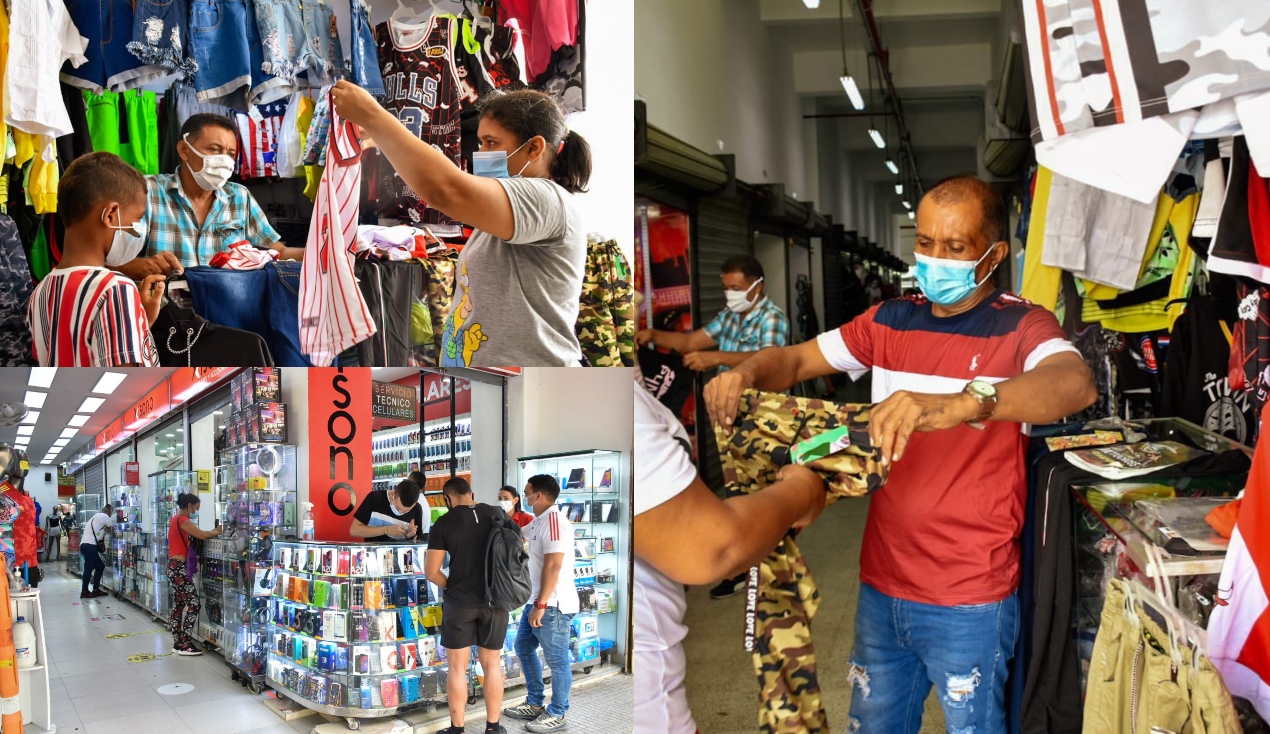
[(546, 723), (187, 651), (524, 712), (728, 587)]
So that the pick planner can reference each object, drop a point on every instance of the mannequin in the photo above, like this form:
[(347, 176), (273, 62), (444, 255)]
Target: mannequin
[(12, 476)]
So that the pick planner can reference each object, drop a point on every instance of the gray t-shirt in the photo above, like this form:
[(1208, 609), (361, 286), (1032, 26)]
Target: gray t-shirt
[(516, 301)]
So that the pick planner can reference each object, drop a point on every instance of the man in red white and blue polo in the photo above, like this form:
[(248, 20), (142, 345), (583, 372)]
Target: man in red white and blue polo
[(959, 373)]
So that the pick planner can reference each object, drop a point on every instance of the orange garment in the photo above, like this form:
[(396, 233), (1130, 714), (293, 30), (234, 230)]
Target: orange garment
[(1223, 518)]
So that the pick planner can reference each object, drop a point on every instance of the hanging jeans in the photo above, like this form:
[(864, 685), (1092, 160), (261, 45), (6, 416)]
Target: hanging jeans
[(752, 451), (185, 605), (264, 302), (553, 638)]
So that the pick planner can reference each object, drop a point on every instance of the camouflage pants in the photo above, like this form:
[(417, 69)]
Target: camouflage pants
[(784, 658), (606, 309), (438, 287)]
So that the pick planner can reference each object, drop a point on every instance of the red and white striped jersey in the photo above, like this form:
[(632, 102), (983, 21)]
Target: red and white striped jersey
[(257, 150), (89, 317), (333, 314)]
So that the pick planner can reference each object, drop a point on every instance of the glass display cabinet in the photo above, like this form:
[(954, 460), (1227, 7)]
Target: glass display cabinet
[(152, 576), (256, 493), (86, 504), (590, 497), (120, 547), (355, 629)]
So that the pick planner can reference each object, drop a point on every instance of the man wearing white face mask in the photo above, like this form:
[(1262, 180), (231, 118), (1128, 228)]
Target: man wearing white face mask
[(751, 322), (957, 377), (196, 212), (83, 314)]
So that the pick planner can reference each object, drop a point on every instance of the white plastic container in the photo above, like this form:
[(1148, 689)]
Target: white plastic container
[(24, 643)]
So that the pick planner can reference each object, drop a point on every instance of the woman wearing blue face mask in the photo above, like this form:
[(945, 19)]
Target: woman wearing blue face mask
[(520, 274)]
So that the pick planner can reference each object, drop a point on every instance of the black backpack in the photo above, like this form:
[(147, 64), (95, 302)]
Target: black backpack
[(507, 582)]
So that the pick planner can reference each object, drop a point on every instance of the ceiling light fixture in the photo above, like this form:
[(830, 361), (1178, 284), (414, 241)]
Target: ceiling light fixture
[(77, 420), (26, 430), (811, 4), (34, 399), (41, 377), (170, 435), (69, 432), (848, 82), (31, 416), (108, 382), (906, 204), (878, 140), (890, 164), (899, 188), (59, 443), (90, 405), (180, 430)]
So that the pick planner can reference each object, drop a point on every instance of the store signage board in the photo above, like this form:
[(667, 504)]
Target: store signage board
[(204, 480), (437, 389), (132, 473), (339, 427), (185, 384), (112, 434), (147, 410), (188, 382), (394, 402)]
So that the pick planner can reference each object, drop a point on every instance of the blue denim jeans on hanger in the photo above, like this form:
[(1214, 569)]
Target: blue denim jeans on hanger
[(363, 51), (264, 302), (902, 648), (553, 637)]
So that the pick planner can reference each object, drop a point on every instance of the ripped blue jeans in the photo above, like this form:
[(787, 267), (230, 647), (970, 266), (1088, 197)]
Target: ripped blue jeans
[(902, 648)]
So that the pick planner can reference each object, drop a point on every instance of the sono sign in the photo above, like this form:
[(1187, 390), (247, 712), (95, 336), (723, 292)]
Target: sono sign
[(340, 448)]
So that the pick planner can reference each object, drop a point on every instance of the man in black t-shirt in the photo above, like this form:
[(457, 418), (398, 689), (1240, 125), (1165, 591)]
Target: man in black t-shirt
[(392, 514), (466, 620)]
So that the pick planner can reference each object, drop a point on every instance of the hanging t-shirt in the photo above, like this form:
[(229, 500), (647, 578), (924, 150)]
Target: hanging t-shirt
[(1196, 376), (421, 89), (89, 317), (41, 38), (663, 470), (24, 544)]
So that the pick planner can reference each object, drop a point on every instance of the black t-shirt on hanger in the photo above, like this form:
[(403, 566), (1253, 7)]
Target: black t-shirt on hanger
[(1197, 375)]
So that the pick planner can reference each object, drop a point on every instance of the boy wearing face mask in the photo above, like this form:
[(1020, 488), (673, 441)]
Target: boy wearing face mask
[(83, 314), (750, 322), (196, 212)]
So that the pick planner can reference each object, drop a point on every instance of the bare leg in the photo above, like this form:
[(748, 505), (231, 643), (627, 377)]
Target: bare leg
[(457, 687), (492, 664)]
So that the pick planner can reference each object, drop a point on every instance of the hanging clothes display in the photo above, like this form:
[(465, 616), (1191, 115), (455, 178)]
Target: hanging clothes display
[(421, 89), (15, 291), (41, 38), (766, 427), (185, 339), (1196, 378), (606, 313), (333, 313)]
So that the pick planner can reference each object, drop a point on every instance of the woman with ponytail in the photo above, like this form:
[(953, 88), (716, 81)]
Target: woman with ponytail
[(520, 275)]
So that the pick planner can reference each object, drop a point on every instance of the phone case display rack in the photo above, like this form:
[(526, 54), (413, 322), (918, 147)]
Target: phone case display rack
[(86, 505), (256, 491), (399, 451), (165, 487), (123, 542), (355, 629), (590, 497)]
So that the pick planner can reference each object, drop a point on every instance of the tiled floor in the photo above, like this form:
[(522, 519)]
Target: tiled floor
[(96, 690)]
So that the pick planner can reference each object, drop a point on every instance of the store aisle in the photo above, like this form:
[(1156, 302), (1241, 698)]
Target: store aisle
[(719, 671), (105, 675)]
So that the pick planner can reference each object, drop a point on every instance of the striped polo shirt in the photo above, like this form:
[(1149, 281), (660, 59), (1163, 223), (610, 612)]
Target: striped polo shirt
[(89, 317), (945, 528)]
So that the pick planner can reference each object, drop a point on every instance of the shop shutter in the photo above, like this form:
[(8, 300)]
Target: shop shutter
[(95, 478), (831, 267), (722, 230)]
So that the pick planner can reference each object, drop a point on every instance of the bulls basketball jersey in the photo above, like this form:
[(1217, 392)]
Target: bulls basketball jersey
[(421, 89)]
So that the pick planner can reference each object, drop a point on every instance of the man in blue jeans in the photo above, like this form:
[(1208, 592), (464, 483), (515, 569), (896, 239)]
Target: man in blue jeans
[(94, 536), (554, 602)]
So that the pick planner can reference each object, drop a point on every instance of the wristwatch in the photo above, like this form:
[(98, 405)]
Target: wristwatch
[(539, 605), (986, 394)]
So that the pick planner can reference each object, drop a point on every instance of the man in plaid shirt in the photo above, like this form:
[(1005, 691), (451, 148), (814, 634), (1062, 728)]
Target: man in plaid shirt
[(196, 212), (750, 322)]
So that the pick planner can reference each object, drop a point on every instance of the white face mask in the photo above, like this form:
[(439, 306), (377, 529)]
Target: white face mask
[(127, 243), (739, 301), (507, 505), (216, 169)]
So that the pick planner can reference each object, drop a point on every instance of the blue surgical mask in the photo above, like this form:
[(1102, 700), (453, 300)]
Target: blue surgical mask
[(948, 282), (493, 163)]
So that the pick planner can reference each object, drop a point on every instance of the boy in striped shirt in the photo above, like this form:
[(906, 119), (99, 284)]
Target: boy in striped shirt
[(84, 314)]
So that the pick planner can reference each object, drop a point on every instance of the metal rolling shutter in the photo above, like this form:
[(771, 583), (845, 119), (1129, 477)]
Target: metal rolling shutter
[(831, 261), (95, 478)]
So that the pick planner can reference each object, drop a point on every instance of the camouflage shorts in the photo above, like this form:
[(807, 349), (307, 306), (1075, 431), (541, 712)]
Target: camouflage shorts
[(438, 277), (786, 599), (606, 309)]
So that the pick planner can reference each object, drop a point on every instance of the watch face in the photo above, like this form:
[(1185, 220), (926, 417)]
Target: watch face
[(983, 389)]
